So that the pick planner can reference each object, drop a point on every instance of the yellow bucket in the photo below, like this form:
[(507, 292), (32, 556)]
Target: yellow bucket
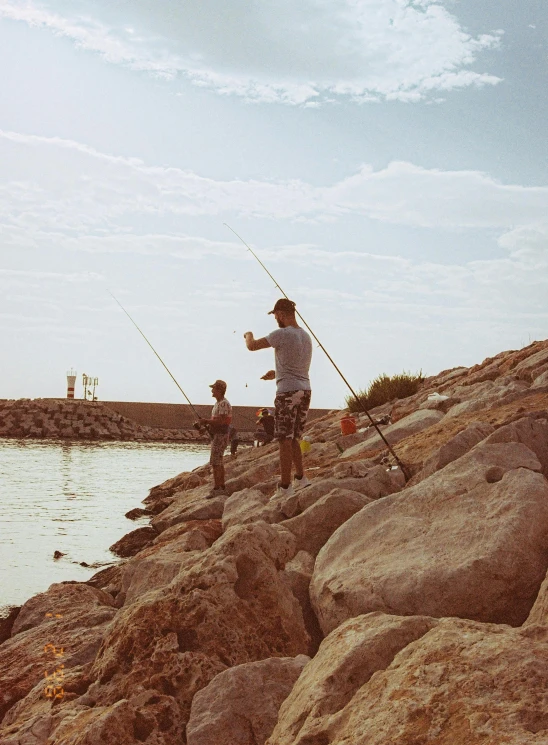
[(305, 446)]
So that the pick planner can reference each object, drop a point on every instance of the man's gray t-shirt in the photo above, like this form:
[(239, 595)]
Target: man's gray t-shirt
[(293, 353)]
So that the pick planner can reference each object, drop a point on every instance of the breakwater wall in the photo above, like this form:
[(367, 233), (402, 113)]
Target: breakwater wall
[(112, 420), (79, 420), (181, 416)]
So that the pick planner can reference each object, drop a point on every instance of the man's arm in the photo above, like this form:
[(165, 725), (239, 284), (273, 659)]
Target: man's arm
[(254, 344)]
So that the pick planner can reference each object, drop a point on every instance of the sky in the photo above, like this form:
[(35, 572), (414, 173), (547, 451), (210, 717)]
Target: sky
[(385, 159)]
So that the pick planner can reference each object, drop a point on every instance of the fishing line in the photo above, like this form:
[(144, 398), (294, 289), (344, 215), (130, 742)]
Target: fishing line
[(156, 353), (360, 404)]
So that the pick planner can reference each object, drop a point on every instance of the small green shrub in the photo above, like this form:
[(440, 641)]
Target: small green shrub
[(385, 388)]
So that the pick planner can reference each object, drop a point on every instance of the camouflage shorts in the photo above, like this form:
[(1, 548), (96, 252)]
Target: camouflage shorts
[(290, 410), (218, 447)]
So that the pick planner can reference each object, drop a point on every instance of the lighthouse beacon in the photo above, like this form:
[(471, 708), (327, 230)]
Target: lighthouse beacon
[(71, 380)]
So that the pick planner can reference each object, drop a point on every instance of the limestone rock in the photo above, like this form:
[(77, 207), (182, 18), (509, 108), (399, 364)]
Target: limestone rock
[(228, 606), (461, 683), (147, 718), (107, 579), (440, 404), (252, 476), (243, 507), (530, 431), (356, 469), (378, 482), (184, 509), (541, 381), (240, 706), (158, 564), (298, 573), (316, 524), (210, 530), (71, 618), (533, 365), (138, 512), (134, 541), (469, 541), (7, 619), (539, 611), (457, 446), (409, 425), (346, 660)]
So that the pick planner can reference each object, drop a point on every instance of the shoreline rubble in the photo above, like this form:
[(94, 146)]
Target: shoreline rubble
[(361, 609)]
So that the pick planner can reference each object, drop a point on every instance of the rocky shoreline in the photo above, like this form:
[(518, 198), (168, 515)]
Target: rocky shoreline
[(362, 610)]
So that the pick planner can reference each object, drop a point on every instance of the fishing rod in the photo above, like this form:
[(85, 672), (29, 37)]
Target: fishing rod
[(359, 402), (156, 353)]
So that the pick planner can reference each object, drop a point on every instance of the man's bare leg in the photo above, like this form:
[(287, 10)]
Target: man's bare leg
[(219, 475), (286, 461), (297, 459)]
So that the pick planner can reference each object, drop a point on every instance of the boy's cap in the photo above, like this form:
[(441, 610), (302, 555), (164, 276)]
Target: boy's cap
[(283, 304), (218, 384)]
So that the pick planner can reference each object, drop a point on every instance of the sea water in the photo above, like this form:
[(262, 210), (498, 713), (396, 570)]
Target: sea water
[(71, 497)]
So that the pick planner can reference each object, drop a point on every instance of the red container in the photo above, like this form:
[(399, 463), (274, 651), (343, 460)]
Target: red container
[(348, 425)]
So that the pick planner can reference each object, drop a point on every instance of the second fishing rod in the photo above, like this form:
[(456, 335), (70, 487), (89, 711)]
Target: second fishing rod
[(324, 350), (244, 416), (156, 353)]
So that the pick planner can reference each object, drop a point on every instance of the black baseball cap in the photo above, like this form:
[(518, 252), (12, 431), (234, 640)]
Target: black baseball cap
[(283, 304)]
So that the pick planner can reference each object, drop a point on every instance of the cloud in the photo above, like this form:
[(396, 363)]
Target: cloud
[(68, 196), (69, 188), (279, 52), (41, 276)]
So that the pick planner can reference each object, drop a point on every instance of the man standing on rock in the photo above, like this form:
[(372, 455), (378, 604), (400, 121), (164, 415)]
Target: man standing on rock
[(218, 425), (292, 353)]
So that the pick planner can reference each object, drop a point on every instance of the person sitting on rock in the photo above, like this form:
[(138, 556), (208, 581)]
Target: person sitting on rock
[(267, 422)]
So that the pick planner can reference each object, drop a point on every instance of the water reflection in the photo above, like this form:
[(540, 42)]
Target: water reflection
[(72, 497), (66, 470)]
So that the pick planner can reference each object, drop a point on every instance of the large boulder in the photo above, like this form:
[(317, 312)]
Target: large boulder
[(393, 433), (157, 565), (345, 661), (461, 683), (533, 366), (470, 541), (144, 718), (456, 447), (377, 482), (252, 476), (134, 541), (248, 506), (229, 605), (531, 431), (240, 705), (64, 625), (315, 525), (189, 506), (541, 381)]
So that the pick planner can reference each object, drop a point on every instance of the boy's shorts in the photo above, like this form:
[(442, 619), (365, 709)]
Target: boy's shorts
[(290, 410), (218, 447)]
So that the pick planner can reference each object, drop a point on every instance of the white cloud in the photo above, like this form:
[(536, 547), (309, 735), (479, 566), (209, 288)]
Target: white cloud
[(67, 187), (284, 51), (70, 197)]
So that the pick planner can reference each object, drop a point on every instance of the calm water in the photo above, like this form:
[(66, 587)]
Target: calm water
[(72, 497)]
